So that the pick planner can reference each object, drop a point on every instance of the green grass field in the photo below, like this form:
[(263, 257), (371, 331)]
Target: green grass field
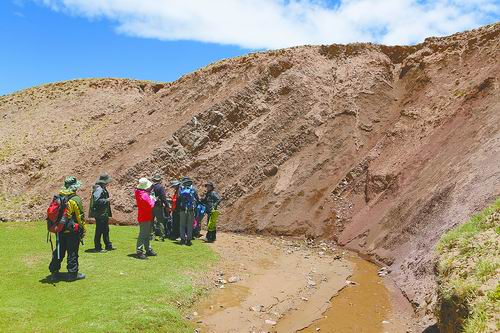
[(468, 267), (120, 293)]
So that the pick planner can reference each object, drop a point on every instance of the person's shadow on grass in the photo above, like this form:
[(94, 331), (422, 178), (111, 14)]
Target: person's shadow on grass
[(134, 255), (91, 251), (61, 277)]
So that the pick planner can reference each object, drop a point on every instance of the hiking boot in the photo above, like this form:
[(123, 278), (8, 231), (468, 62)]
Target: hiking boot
[(76, 276), (151, 253), (183, 242), (188, 243), (110, 248), (141, 255)]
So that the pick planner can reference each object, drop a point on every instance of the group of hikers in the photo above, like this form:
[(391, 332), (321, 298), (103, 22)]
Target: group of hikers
[(163, 215)]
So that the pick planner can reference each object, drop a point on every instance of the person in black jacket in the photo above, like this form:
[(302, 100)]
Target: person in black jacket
[(160, 227), (100, 209)]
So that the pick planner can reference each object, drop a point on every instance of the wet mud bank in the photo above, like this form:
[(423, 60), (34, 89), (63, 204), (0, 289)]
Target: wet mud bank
[(369, 303), (270, 284)]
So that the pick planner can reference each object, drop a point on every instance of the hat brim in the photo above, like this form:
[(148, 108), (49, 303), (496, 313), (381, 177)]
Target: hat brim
[(145, 186), (104, 181), (72, 187)]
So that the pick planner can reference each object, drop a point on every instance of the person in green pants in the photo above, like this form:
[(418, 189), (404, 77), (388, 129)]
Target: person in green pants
[(211, 201)]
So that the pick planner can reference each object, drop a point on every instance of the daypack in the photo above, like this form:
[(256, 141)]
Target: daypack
[(200, 210), (56, 214), (187, 199)]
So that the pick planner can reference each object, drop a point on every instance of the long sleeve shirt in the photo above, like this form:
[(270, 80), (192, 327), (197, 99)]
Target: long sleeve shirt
[(160, 194), (145, 204), (100, 202), (74, 209), (211, 200)]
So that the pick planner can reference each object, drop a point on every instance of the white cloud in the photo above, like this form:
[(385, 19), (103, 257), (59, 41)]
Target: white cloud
[(281, 23)]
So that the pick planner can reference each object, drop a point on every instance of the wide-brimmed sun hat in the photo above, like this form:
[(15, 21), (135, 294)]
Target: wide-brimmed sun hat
[(71, 184), (104, 178), (156, 178), (144, 184)]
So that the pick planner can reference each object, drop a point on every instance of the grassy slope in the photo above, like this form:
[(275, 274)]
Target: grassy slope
[(469, 274), (120, 293)]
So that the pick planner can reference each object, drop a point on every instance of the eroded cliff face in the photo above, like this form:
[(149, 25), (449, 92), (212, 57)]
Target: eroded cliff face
[(381, 148)]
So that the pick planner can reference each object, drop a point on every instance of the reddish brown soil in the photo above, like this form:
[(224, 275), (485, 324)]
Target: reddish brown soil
[(292, 282), (381, 148)]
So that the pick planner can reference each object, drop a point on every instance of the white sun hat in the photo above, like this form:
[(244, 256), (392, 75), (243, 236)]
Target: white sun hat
[(144, 184)]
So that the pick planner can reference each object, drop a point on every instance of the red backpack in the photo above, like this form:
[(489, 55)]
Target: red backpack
[(56, 214)]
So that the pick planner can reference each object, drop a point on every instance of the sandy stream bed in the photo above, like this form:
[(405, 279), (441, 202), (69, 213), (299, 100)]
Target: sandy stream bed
[(271, 284)]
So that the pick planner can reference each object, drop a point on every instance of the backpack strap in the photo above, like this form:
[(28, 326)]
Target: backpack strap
[(64, 203)]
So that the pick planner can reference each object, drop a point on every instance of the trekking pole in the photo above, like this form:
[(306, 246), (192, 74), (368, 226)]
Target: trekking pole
[(49, 238), (58, 247)]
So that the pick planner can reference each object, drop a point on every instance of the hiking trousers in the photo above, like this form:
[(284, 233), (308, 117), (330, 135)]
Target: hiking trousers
[(211, 236), (168, 226), (212, 230), (144, 237), (68, 243), (160, 221), (175, 224), (186, 219), (102, 229)]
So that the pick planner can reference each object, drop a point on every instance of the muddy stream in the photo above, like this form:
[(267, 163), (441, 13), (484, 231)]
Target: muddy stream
[(371, 305), (275, 285)]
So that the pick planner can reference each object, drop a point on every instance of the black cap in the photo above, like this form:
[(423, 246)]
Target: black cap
[(156, 178), (104, 179)]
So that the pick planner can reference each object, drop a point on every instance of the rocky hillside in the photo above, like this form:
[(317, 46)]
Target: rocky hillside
[(380, 148)]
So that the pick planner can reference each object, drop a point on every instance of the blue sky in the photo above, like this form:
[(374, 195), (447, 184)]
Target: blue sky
[(52, 40), (41, 46)]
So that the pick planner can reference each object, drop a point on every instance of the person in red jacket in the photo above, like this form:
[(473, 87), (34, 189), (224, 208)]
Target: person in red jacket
[(145, 203), (175, 210)]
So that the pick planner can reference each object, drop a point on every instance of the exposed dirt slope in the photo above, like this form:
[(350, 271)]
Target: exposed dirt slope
[(382, 148)]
